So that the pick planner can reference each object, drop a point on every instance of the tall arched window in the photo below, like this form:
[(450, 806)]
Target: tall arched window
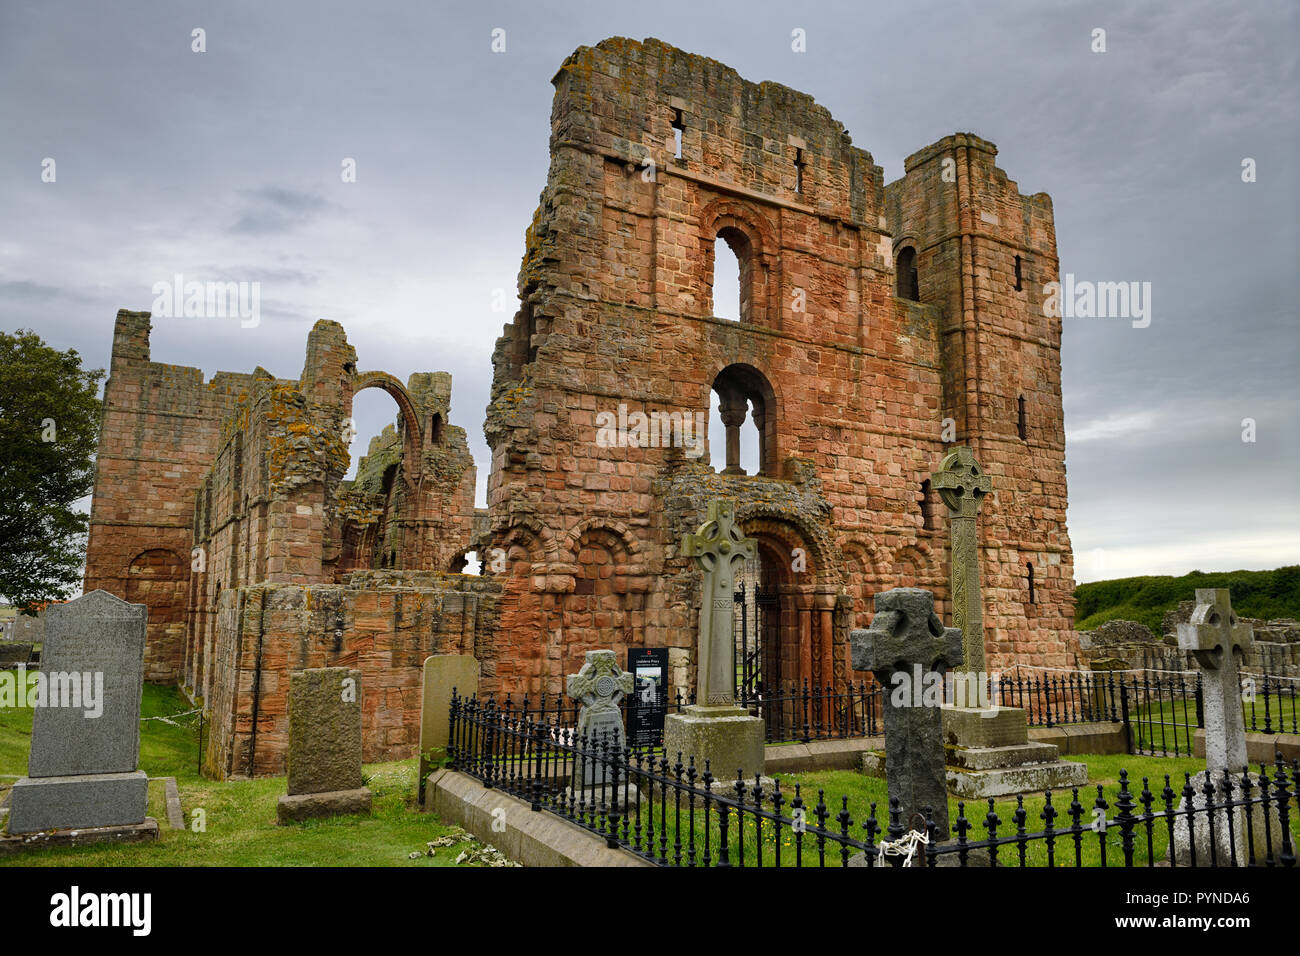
[(907, 283), (726, 281)]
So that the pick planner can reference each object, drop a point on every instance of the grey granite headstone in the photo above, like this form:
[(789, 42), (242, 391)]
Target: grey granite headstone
[(82, 770), (906, 637), (599, 686)]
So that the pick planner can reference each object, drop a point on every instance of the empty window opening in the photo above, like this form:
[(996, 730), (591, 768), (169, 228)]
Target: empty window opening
[(742, 426), (745, 433), (1017, 273), (929, 513), (435, 429), (798, 170), (1021, 428), (1029, 570), (907, 284), (679, 127), (726, 281)]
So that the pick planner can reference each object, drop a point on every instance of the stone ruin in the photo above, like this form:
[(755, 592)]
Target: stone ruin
[(1274, 651), (879, 324)]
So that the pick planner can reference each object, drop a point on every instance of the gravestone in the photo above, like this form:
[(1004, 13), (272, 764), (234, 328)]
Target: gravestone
[(599, 687), (1218, 642), (907, 645), (443, 673), (83, 770), (714, 729), (988, 749), (324, 746)]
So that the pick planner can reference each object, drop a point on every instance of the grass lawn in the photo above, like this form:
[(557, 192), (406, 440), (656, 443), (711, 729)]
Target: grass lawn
[(1164, 726), (239, 815)]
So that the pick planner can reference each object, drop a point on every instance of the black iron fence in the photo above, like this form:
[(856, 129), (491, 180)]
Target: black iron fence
[(676, 814), (1161, 710)]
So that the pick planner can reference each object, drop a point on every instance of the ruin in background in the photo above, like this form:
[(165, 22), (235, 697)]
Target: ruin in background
[(879, 324)]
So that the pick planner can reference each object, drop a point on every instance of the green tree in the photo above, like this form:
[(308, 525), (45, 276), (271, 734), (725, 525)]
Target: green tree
[(49, 429)]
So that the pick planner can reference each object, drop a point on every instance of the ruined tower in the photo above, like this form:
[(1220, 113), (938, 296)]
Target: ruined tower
[(878, 325)]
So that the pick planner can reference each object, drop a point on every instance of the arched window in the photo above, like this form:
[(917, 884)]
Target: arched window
[(907, 283), (727, 280), (1022, 427), (744, 394)]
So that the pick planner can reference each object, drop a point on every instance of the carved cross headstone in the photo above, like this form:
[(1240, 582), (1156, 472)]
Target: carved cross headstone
[(599, 686), (1217, 639), (962, 485), (720, 549), (907, 647)]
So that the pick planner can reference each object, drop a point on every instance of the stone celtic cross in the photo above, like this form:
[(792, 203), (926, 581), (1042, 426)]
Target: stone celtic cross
[(962, 485), (598, 686), (1217, 639), (719, 548), (906, 645)]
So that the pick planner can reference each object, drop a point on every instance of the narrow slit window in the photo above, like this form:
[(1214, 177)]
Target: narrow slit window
[(679, 127), (798, 170), (1018, 277), (1021, 427), (1029, 573)]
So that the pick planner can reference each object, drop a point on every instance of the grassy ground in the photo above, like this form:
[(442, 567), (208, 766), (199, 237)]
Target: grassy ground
[(1164, 727), (239, 816)]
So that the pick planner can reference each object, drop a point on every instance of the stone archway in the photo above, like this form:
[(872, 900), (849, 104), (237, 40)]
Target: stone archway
[(413, 437)]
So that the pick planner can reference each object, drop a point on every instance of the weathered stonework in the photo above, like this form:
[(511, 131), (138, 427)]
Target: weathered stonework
[(849, 375), (849, 383)]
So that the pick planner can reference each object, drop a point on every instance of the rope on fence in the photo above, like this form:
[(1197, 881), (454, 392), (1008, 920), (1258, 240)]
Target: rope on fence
[(905, 846), (168, 719)]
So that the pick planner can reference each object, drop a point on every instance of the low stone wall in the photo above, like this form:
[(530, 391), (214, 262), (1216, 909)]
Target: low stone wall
[(533, 838), (1101, 737), (1260, 748), (267, 632)]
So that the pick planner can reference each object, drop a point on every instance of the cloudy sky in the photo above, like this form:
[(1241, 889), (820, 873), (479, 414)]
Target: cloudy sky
[(226, 165)]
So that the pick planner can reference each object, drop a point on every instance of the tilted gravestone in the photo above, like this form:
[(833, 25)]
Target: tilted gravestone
[(324, 746), (714, 730), (598, 687), (83, 771), (908, 645), (1219, 642)]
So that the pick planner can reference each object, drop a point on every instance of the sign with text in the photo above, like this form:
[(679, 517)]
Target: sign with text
[(648, 704)]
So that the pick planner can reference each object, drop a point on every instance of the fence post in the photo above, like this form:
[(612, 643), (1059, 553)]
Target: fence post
[(1123, 709)]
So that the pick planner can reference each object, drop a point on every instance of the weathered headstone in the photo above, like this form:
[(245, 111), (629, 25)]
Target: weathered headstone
[(83, 771), (1219, 641), (443, 673), (599, 687), (907, 648), (324, 745), (714, 729)]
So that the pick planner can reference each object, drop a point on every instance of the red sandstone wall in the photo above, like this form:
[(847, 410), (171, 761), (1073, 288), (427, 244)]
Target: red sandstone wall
[(267, 632)]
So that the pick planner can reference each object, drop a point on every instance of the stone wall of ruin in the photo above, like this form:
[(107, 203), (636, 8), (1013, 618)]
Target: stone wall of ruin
[(383, 622), (617, 308)]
